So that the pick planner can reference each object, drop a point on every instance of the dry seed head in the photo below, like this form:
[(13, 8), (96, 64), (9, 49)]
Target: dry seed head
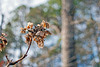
[(37, 34)]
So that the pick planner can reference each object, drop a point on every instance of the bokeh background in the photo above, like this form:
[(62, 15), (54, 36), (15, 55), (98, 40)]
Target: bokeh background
[(86, 17)]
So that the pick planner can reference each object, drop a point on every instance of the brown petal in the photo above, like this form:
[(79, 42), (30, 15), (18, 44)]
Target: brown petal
[(23, 30), (45, 24), (40, 33)]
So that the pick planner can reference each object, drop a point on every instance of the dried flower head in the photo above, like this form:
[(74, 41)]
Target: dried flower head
[(3, 41), (38, 33)]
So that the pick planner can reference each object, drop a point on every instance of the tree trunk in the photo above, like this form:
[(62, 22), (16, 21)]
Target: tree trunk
[(2, 20), (68, 43)]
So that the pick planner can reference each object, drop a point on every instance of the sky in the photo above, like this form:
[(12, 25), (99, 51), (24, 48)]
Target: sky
[(6, 6), (9, 5)]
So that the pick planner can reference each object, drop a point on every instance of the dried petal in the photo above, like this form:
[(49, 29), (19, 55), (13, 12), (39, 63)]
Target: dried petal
[(45, 24), (47, 32), (1, 37), (28, 38), (1, 46), (4, 42), (30, 33), (30, 25), (40, 44), (40, 33), (38, 25), (23, 30), (0, 49), (4, 34)]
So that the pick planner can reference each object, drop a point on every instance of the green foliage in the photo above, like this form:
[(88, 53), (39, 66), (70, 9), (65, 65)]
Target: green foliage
[(9, 32), (49, 11), (2, 54), (97, 65), (54, 52), (18, 12), (57, 48)]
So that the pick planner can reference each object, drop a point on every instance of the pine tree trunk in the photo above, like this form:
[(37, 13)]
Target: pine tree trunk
[(2, 20), (68, 43)]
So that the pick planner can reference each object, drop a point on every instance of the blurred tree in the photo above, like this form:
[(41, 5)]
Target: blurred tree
[(88, 32), (68, 42)]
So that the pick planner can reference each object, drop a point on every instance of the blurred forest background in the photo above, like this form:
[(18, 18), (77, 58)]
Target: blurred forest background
[(75, 28)]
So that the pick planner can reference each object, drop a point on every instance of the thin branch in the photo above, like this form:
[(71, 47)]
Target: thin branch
[(7, 58), (78, 21), (13, 63), (55, 28)]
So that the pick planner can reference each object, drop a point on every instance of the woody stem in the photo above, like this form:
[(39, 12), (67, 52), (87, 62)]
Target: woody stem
[(13, 63)]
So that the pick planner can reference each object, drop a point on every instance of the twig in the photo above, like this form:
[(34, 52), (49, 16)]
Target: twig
[(7, 58), (10, 62)]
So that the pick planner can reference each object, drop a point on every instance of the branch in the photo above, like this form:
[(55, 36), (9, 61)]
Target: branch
[(78, 21), (55, 28), (13, 63), (45, 62)]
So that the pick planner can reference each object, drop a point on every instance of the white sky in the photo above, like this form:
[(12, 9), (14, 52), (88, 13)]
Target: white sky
[(9, 5)]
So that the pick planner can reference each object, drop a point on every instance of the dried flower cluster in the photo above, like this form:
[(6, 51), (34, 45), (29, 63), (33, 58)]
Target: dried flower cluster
[(37, 33), (3, 41)]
